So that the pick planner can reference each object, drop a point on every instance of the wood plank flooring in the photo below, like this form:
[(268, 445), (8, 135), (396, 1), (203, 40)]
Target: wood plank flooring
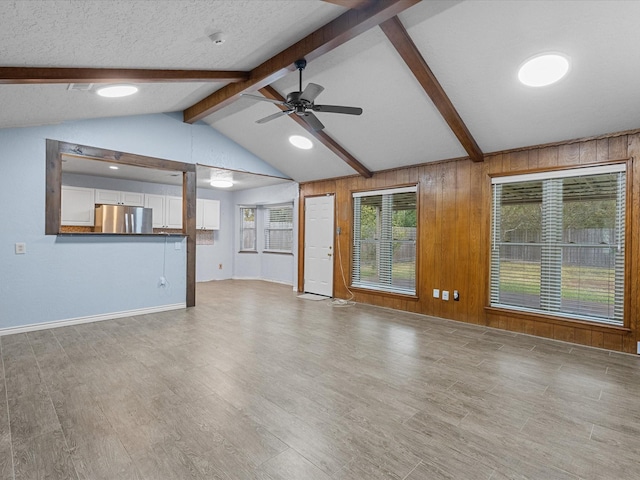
[(254, 383)]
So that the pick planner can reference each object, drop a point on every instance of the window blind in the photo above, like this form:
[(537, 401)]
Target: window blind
[(278, 228), (384, 240), (558, 243)]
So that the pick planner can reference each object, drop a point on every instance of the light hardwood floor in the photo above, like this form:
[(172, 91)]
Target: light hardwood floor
[(254, 383)]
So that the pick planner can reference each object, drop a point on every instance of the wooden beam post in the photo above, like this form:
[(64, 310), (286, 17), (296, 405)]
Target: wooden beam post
[(42, 75), (400, 39), (347, 26)]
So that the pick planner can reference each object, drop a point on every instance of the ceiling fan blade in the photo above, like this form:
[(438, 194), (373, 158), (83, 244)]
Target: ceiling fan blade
[(274, 116), (311, 92), (262, 99), (337, 109), (313, 121)]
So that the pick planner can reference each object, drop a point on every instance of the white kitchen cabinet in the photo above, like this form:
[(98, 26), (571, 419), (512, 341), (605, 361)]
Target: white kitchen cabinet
[(77, 206), (173, 212), (167, 210), (207, 214), (156, 204), (114, 197)]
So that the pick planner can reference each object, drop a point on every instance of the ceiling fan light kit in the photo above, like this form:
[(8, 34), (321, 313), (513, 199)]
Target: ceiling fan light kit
[(302, 103)]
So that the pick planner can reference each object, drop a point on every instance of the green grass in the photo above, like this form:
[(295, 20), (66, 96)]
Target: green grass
[(400, 271), (590, 284)]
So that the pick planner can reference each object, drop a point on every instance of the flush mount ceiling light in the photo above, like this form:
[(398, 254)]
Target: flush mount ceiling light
[(300, 142), (221, 183), (113, 167), (115, 91), (543, 70)]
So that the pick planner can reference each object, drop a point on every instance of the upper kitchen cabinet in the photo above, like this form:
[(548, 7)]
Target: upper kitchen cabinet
[(207, 214), (114, 197), (167, 210), (77, 206)]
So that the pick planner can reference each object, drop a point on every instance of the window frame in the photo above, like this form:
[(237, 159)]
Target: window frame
[(381, 289), (623, 165), (241, 248), (266, 229)]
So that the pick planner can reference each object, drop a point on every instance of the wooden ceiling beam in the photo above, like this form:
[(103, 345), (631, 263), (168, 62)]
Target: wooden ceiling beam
[(321, 136), (42, 75), (400, 39), (354, 4), (340, 30)]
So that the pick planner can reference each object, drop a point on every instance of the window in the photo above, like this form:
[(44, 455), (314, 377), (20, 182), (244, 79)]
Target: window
[(247, 229), (558, 243), (278, 229), (384, 240)]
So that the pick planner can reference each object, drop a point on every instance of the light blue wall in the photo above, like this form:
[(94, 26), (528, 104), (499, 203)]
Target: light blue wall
[(63, 278), (208, 256), (267, 266)]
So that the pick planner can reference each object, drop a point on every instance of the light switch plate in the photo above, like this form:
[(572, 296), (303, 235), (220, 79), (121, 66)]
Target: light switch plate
[(21, 248), (445, 294), (436, 293)]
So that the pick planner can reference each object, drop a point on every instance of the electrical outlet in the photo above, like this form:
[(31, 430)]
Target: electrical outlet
[(163, 281), (219, 266), (445, 294), (436, 293), (21, 248)]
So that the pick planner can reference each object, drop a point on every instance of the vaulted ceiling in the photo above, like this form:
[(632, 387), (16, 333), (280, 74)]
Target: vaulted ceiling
[(436, 79)]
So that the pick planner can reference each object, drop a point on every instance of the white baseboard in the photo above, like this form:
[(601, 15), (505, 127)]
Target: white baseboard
[(91, 318), (262, 280)]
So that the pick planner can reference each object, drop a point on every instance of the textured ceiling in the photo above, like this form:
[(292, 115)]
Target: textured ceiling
[(473, 47), (154, 34)]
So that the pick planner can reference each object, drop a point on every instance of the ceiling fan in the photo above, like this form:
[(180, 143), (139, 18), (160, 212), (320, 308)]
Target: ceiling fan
[(301, 103)]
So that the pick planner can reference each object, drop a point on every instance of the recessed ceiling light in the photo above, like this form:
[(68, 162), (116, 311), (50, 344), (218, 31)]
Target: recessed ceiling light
[(113, 167), (114, 91), (543, 70), (300, 142), (221, 183)]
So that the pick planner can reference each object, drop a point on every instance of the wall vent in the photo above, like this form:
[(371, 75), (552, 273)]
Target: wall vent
[(80, 87)]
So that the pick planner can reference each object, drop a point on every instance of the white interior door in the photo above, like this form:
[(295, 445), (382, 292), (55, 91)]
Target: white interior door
[(318, 245)]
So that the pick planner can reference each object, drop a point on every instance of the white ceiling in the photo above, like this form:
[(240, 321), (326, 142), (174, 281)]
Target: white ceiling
[(473, 47)]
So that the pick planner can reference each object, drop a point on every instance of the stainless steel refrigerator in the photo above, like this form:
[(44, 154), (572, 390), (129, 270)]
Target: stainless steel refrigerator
[(122, 219)]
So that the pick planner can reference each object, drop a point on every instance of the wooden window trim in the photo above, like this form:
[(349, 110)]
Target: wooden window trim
[(384, 293), (555, 320), (628, 261)]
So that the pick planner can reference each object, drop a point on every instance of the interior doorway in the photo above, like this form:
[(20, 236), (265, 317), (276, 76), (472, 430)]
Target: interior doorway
[(318, 245)]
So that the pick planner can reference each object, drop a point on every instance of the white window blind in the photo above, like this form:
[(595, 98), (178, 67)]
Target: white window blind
[(384, 240), (558, 243), (278, 228), (247, 229)]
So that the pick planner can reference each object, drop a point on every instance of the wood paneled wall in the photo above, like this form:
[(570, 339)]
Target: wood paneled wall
[(454, 208)]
